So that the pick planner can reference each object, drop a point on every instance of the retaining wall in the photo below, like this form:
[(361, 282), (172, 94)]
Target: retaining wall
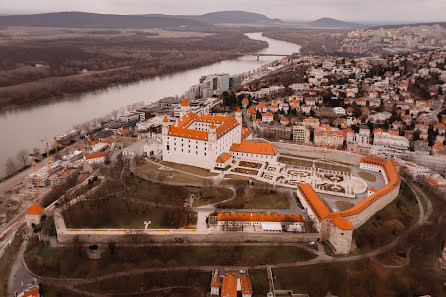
[(317, 152)]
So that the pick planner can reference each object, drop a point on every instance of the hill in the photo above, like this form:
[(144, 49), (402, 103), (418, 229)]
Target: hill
[(235, 17), (148, 21), (94, 20), (334, 23)]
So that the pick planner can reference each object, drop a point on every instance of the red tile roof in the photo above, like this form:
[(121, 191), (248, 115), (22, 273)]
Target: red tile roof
[(224, 158), (35, 209), (180, 128), (229, 286), (94, 155), (184, 103), (258, 217), (215, 281), (260, 148), (245, 283), (34, 292)]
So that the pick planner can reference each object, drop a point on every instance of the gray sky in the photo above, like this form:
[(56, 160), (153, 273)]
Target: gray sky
[(349, 10)]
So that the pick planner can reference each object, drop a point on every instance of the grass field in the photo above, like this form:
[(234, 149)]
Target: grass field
[(389, 222), (261, 199), (191, 283), (259, 282), (155, 171), (116, 213), (367, 176), (156, 192), (49, 290), (189, 169), (203, 196), (72, 262), (344, 205)]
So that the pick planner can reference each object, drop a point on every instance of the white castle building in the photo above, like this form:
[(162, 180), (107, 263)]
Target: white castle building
[(205, 140)]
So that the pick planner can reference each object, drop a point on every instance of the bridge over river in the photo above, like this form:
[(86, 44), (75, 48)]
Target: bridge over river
[(258, 55)]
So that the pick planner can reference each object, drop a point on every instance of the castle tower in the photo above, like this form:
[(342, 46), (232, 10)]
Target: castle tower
[(185, 107), (165, 129), (238, 116), (212, 133)]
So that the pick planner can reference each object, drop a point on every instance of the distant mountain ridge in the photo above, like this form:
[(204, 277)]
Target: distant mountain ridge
[(334, 23), (148, 21)]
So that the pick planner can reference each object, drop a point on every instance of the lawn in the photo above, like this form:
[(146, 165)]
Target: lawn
[(155, 171), (344, 205), (156, 192), (7, 260), (73, 262), (147, 168), (203, 196), (367, 176), (189, 169), (48, 290), (259, 199), (122, 213), (192, 283), (388, 223), (259, 282)]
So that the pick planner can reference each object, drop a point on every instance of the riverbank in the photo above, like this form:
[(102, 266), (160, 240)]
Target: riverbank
[(72, 66), (47, 119), (88, 82)]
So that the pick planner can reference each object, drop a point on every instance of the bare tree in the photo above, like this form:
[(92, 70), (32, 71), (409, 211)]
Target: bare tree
[(23, 157), (10, 166)]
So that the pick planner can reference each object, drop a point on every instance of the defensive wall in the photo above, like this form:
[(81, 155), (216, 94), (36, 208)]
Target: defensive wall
[(318, 152), (67, 235), (338, 227)]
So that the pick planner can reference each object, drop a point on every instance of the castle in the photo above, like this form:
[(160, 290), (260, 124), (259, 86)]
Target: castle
[(211, 141)]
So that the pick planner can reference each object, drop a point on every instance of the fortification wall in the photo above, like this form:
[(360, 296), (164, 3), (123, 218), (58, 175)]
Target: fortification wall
[(340, 239), (317, 152), (235, 237), (358, 219)]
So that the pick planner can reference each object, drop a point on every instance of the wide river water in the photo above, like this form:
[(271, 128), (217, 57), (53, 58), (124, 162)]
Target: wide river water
[(23, 128)]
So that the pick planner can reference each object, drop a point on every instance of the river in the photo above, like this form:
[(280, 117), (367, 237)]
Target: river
[(23, 128)]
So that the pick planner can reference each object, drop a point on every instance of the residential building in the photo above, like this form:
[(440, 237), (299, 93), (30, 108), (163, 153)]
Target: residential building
[(95, 158), (328, 136), (301, 134)]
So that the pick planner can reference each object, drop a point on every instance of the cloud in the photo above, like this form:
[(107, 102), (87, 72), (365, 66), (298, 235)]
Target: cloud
[(355, 10)]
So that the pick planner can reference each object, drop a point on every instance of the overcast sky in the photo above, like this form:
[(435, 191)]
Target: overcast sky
[(349, 10)]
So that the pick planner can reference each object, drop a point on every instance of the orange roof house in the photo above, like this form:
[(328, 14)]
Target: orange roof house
[(252, 111), (229, 286), (184, 103), (245, 283), (215, 281), (94, 155), (35, 209)]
